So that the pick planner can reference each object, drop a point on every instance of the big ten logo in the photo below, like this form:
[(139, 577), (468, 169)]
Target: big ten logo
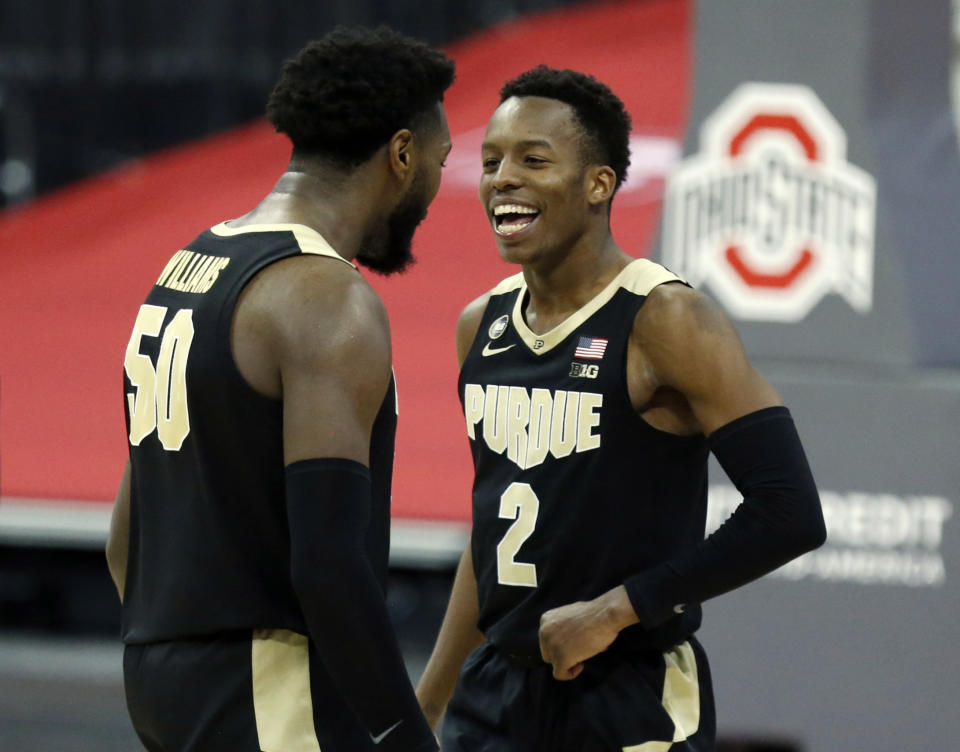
[(769, 214), (584, 370)]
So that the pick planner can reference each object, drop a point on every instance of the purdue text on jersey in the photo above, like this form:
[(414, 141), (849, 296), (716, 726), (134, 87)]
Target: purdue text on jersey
[(529, 424)]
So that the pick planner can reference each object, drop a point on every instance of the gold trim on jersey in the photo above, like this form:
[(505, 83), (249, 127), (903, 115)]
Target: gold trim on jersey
[(640, 276), (309, 240), (282, 703)]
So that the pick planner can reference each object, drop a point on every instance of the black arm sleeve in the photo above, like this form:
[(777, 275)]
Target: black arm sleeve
[(779, 519), (328, 503)]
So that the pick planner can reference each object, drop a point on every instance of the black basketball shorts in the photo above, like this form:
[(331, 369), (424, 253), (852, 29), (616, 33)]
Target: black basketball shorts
[(265, 691), (623, 702)]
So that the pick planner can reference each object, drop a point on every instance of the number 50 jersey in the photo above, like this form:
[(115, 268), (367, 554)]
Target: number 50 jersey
[(209, 539), (573, 492)]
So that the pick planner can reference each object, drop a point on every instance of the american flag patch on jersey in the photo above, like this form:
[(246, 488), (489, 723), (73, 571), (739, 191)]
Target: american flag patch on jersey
[(590, 347)]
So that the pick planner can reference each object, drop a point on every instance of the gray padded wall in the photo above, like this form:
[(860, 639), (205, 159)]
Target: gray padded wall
[(852, 647)]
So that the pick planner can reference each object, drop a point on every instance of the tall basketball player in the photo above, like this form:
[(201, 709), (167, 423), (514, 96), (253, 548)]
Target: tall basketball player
[(594, 387), (250, 536)]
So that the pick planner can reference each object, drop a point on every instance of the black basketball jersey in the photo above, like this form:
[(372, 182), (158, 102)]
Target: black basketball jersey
[(209, 543), (573, 491)]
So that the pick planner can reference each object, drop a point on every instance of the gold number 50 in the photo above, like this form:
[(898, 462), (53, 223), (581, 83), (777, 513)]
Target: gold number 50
[(160, 399)]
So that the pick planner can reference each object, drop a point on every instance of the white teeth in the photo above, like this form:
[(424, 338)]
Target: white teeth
[(513, 209)]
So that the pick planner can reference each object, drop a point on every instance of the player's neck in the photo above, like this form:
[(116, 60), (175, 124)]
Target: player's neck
[(334, 205), (560, 289)]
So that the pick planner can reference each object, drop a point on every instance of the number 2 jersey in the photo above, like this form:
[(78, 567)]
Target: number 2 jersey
[(573, 491), (209, 543)]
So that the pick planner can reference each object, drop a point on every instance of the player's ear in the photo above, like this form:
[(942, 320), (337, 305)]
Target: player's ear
[(400, 151), (601, 181)]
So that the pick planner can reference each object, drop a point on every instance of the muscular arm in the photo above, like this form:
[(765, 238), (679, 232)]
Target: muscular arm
[(118, 540), (692, 347), (459, 634), (333, 352), (688, 345)]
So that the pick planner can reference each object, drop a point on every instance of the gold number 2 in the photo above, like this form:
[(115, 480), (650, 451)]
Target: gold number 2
[(521, 504), (160, 399)]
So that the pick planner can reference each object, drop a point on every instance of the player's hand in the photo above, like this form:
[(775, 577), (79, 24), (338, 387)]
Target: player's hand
[(571, 634)]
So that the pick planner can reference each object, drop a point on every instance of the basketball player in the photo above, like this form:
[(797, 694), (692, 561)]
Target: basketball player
[(594, 386), (261, 416)]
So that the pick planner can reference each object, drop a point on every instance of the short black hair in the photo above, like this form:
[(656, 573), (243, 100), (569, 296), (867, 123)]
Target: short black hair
[(601, 114), (344, 95)]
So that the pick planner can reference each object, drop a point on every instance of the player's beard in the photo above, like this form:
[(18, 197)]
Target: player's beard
[(387, 250)]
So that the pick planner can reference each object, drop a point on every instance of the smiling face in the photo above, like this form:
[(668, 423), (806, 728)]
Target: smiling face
[(540, 195)]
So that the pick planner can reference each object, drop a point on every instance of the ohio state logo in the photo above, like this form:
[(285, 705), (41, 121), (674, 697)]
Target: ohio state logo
[(770, 215)]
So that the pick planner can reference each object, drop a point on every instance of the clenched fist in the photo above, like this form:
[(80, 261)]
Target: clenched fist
[(571, 634)]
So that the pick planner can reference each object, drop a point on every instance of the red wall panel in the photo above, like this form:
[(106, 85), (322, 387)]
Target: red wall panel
[(75, 266)]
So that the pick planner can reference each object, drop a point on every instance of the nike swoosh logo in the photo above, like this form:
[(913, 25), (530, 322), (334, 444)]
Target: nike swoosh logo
[(380, 737), (487, 350)]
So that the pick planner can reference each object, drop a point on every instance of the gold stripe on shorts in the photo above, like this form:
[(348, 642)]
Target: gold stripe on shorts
[(282, 702), (681, 698)]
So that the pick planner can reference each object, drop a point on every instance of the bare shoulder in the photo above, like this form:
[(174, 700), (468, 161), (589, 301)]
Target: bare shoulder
[(688, 343), (327, 302), (319, 308), (307, 312), (469, 323), (331, 343), (673, 313)]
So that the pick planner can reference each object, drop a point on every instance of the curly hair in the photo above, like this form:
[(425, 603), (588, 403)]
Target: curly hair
[(603, 118), (344, 95)]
